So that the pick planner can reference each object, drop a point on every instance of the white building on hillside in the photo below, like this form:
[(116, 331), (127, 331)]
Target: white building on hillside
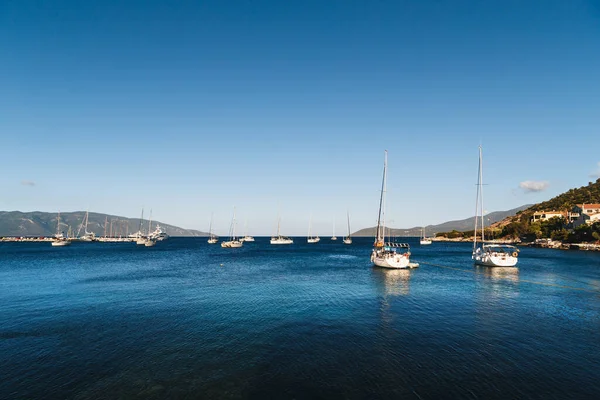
[(539, 216), (585, 214)]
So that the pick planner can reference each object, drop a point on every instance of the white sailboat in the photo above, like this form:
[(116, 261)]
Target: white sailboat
[(87, 236), (149, 241), (311, 239), (424, 239), (246, 238), (233, 242), (139, 237), (348, 239), (491, 255), (280, 239), (59, 239), (333, 237), (212, 238), (388, 254)]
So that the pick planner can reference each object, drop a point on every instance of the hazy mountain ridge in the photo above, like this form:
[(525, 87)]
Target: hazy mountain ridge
[(38, 223), (459, 225)]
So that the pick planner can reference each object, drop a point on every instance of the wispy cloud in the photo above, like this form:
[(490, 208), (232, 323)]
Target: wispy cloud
[(534, 186), (28, 183), (596, 174)]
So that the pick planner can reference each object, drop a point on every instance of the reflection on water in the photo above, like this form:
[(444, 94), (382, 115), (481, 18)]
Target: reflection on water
[(499, 282), (500, 273), (393, 282)]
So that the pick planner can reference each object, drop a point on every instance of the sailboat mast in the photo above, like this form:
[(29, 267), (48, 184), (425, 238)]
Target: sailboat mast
[(481, 196), (81, 226), (348, 215), (233, 225), (58, 224), (384, 197), (210, 227), (379, 236), (150, 223), (477, 202), (141, 220), (278, 226)]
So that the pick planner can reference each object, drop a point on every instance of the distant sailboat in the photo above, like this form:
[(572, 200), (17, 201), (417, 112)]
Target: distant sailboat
[(348, 239), (140, 238), (212, 239), (311, 239), (233, 242), (280, 239), (59, 239), (424, 239), (246, 238), (149, 241), (333, 237)]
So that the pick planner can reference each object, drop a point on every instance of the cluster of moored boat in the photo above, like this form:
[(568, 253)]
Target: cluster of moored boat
[(148, 240), (235, 242)]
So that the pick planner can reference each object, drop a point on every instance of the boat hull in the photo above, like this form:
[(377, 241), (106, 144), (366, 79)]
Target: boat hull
[(61, 243), (495, 261), (347, 241), (212, 241), (391, 260), (424, 242), (232, 244), (490, 258), (282, 241), (313, 240)]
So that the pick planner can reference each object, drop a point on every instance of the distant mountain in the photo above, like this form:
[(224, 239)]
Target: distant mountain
[(37, 223), (459, 225)]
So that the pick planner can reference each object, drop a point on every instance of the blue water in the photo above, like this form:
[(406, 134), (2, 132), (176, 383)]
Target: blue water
[(188, 320)]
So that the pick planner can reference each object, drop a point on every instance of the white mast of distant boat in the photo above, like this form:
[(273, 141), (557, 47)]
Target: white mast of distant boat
[(348, 239), (149, 242), (233, 242), (333, 237), (212, 239), (311, 239), (280, 239), (424, 240), (59, 239), (87, 236), (246, 238), (139, 236)]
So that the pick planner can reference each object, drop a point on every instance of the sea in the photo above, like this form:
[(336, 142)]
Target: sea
[(189, 320)]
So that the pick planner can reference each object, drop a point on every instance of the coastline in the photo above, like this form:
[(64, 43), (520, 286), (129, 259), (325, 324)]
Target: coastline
[(546, 244)]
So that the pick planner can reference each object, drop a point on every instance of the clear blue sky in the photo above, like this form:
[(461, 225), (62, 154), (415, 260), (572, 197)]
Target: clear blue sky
[(192, 107)]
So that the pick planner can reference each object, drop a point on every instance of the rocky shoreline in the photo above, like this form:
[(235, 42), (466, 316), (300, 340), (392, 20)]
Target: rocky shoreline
[(541, 243)]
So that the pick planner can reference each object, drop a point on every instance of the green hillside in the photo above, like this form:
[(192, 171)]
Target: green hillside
[(521, 227), (566, 201)]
